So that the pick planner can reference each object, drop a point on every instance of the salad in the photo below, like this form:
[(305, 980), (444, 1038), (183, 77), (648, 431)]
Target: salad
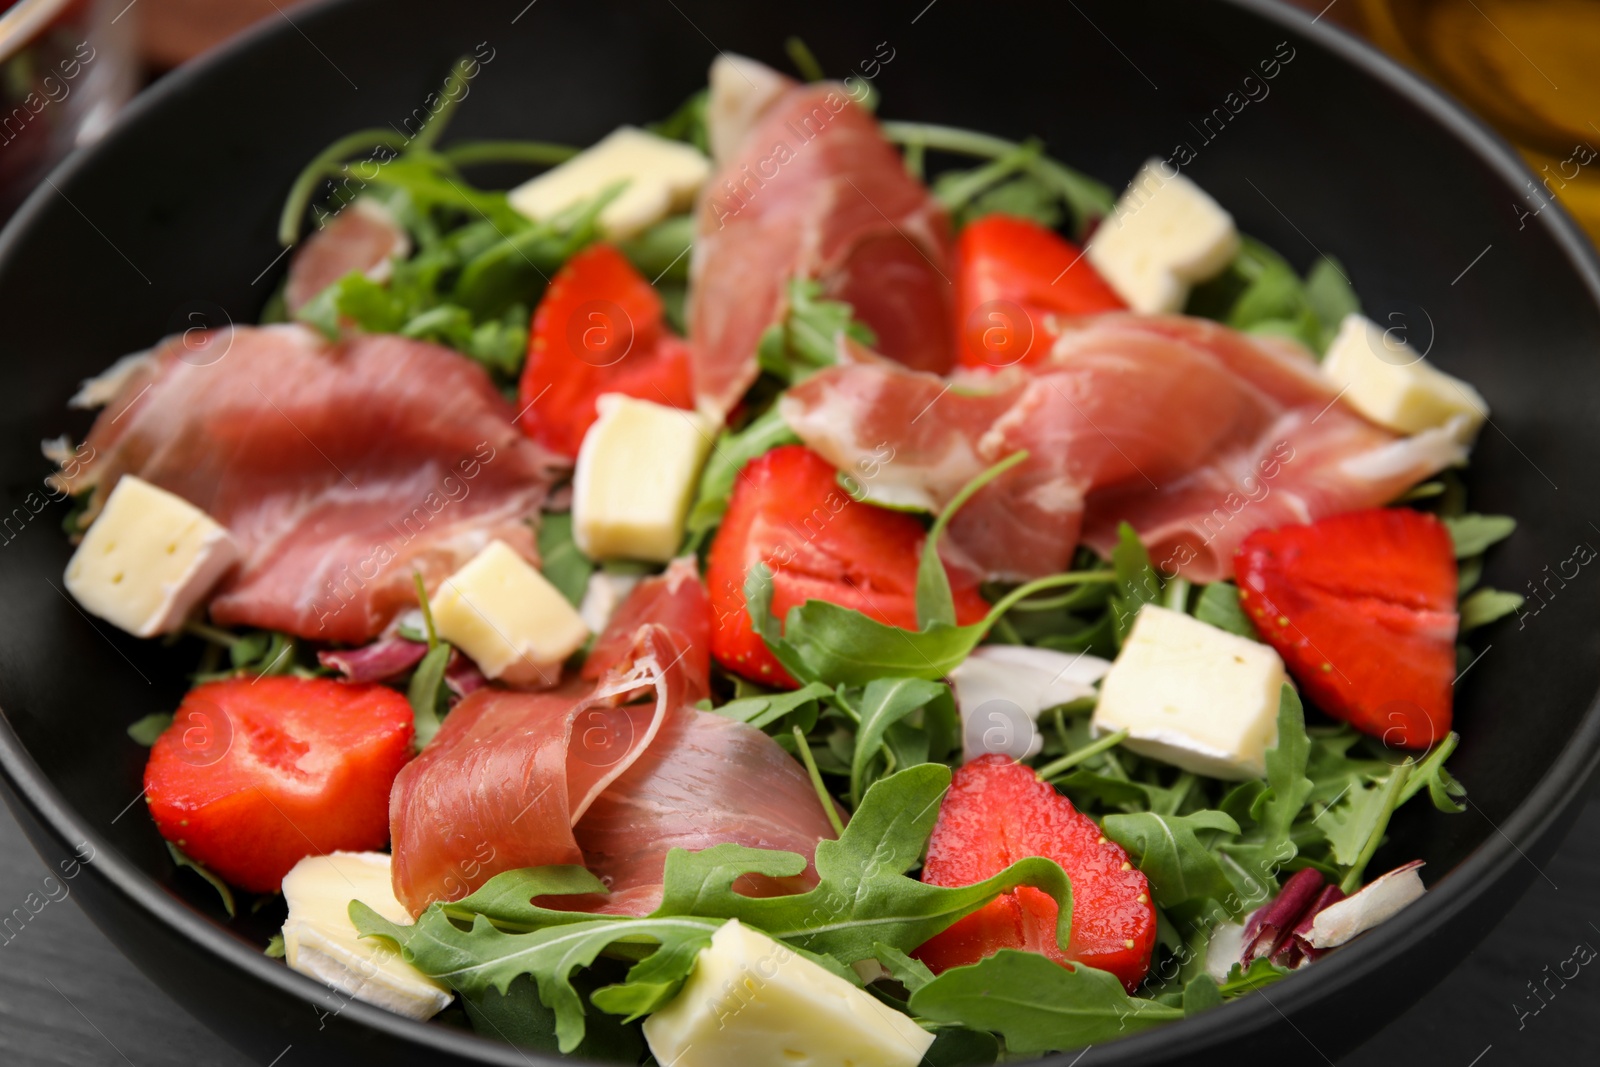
[(782, 585)]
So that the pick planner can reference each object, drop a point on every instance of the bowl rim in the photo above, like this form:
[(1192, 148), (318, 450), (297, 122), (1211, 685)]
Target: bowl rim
[(1535, 816)]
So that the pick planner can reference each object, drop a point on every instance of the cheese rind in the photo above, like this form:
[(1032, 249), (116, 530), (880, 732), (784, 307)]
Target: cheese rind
[(1194, 696), (637, 471), (662, 176), (508, 617), (320, 940), (1393, 385), (1164, 235), (148, 559), (753, 1000)]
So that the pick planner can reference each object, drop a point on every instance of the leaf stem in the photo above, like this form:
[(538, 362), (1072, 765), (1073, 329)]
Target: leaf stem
[(1391, 799), (427, 611), (473, 153), (1089, 751), (810, 761), (305, 186), (1039, 585), (211, 633)]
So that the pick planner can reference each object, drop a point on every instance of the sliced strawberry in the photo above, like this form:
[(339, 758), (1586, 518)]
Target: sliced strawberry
[(998, 812), (1013, 277), (1362, 608), (789, 512), (598, 329), (254, 775)]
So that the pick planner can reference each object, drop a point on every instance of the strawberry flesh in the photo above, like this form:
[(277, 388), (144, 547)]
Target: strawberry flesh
[(1362, 608), (998, 812)]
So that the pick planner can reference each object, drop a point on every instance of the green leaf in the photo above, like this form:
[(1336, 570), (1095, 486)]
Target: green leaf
[(152, 726), (561, 562), (935, 602), (863, 897), (1431, 774), (1393, 788), (1258, 856), (1486, 606), (1201, 994), (426, 691), (481, 958), (1331, 297), (1037, 1005), (1472, 534), (908, 971), (955, 1046), (1137, 581), (729, 454), (517, 1016), (687, 123), (275, 949), (887, 701), (1242, 980), (662, 252), (1219, 606), (215, 882), (1166, 849), (778, 711), (1350, 822), (808, 337)]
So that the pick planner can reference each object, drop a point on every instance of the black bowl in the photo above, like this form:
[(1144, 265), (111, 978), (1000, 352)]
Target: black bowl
[(168, 223)]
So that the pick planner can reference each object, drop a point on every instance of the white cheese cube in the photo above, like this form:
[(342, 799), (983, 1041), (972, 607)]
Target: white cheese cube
[(637, 471), (148, 559), (1164, 235), (1193, 696), (1393, 385), (741, 91), (508, 617), (320, 940), (1001, 689), (662, 177), (752, 1000)]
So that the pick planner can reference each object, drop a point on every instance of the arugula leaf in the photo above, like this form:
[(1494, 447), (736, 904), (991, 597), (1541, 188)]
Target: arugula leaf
[(1330, 296), (863, 897), (1260, 293), (955, 1046), (1166, 849), (518, 1017), (687, 123), (1472, 534), (1037, 1005), (275, 949), (662, 252), (426, 691), (1219, 606), (808, 337), (1258, 856), (1138, 583), (484, 958), (1242, 980), (1486, 606), (887, 701), (1377, 823), (152, 726), (908, 971), (561, 561), (1350, 822), (1431, 774), (729, 454), (797, 707), (1201, 994), (183, 860)]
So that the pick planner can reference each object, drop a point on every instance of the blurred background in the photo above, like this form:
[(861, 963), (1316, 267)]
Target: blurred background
[(1530, 68)]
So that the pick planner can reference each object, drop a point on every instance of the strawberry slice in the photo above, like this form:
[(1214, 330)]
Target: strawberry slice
[(600, 328), (998, 812), (1362, 608), (254, 775), (1013, 279), (789, 512)]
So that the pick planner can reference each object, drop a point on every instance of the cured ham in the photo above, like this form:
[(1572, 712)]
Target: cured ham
[(577, 776), (814, 191), (675, 599), (340, 469), (363, 238), (1194, 433)]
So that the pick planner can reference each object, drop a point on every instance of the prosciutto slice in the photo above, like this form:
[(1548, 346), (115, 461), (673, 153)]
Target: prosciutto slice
[(585, 774), (813, 191), (363, 238), (340, 469), (1194, 433)]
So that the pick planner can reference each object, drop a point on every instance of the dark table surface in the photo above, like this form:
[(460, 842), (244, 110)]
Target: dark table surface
[(68, 999)]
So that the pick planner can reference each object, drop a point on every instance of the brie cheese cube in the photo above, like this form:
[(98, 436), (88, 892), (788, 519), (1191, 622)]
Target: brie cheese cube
[(148, 559), (1393, 385), (741, 91), (662, 177), (507, 616), (320, 940), (637, 471), (1193, 696), (1164, 235), (1001, 689), (752, 1000)]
